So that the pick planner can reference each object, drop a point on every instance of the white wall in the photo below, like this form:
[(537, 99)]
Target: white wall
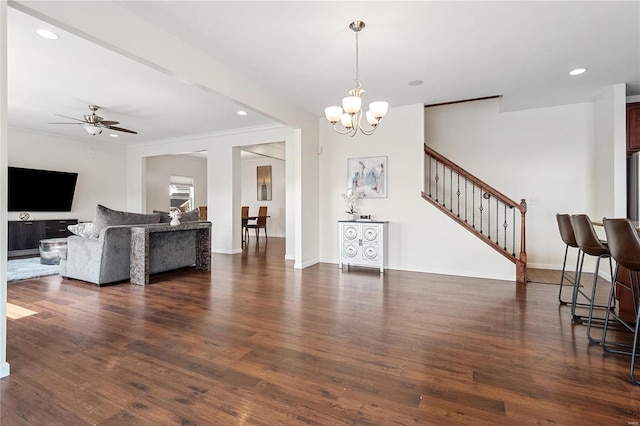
[(276, 224), (101, 169), (158, 176), (545, 155), (420, 237)]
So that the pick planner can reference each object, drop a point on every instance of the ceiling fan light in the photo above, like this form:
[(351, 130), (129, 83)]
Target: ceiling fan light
[(351, 104), (379, 109), (92, 129), (333, 114)]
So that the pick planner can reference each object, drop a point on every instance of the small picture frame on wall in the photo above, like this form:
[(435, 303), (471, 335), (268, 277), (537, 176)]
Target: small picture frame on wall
[(368, 175), (263, 181)]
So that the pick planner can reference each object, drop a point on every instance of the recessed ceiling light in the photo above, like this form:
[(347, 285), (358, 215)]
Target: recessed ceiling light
[(241, 112), (577, 71), (113, 135), (415, 82), (49, 35)]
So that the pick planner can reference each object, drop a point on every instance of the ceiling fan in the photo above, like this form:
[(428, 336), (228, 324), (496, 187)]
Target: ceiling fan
[(94, 124)]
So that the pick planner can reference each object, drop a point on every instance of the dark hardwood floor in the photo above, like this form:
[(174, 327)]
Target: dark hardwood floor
[(257, 342)]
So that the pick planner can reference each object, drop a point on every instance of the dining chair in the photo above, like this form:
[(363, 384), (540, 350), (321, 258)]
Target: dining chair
[(624, 245), (568, 237), (261, 223), (589, 242)]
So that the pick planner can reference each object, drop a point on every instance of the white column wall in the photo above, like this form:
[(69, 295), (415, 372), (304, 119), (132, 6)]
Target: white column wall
[(611, 148)]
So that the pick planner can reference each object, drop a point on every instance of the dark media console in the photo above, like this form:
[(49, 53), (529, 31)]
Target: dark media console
[(25, 235)]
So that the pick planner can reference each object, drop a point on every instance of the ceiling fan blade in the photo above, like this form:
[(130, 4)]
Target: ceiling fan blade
[(70, 118), (109, 123), (66, 123), (120, 129)]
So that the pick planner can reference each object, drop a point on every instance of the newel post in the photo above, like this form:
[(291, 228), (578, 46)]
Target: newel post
[(521, 270)]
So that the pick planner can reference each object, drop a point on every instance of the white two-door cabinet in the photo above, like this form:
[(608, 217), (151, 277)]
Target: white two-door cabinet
[(364, 243)]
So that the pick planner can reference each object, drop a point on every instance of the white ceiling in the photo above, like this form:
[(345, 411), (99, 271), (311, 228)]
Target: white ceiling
[(305, 51)]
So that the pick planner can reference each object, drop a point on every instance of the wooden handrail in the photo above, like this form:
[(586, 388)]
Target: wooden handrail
[(478, 182)]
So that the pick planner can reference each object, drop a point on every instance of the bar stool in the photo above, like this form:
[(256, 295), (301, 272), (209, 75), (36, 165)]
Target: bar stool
[(624, 245), (569, 238), (590, 244)]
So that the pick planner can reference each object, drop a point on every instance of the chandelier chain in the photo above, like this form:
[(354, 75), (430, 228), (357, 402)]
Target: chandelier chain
[(357, 63)]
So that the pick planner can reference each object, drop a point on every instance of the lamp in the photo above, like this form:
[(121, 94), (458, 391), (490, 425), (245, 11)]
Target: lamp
[(350, 114), (92, 129)]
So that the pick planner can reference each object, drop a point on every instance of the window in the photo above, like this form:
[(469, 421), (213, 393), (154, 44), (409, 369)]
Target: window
[(181, 193)]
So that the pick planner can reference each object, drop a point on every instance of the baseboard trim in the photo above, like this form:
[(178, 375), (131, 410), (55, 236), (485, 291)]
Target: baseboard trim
[(221, 251), (4, 369), (305, 264)]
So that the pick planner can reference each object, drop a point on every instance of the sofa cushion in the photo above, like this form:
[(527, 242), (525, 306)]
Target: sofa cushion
[(84, 229), (190, 216), (108, 217)]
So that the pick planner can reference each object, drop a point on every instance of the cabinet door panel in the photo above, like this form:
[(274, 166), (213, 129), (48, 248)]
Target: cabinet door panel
[(350, 251), (350, 232), (370, 233), (25, 235), (370, 252)]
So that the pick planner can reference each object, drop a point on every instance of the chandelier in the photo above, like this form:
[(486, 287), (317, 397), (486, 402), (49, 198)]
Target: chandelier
[(350, 114)]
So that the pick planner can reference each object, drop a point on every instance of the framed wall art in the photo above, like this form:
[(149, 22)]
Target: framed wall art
[(368, 175)]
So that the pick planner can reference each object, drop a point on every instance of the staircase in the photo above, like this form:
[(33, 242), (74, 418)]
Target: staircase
[(478, 207)]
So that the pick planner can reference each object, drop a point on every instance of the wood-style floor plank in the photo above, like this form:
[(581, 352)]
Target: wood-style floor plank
[(257, 342)]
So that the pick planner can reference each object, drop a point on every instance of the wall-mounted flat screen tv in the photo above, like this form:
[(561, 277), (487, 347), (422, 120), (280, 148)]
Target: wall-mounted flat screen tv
[(32, 190)]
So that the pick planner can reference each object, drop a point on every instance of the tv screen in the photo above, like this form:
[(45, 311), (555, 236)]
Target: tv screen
[(32, 190)]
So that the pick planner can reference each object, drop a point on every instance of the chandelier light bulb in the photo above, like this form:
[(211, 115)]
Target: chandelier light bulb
[(379, 109), (333, 114), (346, 121), (351, 104), (371, 119)]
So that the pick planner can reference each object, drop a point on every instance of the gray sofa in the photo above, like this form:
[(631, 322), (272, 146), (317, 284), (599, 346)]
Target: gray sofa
[(101, 254)]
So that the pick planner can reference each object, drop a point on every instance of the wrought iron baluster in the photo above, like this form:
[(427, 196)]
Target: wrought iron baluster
[(458, 194), (444, 185), (481, 209), (437, 178), (473, 204), (497, 222), (487, 197), (430, 174), (465, 199), (505, 226), (451, 190), (513, 243)]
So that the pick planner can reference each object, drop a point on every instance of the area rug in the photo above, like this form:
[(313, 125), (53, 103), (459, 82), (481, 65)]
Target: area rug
[(22, 269)]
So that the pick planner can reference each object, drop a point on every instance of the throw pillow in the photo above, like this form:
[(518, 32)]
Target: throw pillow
[(108, 217), (164, 216), (82, 229), (190, 216)]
